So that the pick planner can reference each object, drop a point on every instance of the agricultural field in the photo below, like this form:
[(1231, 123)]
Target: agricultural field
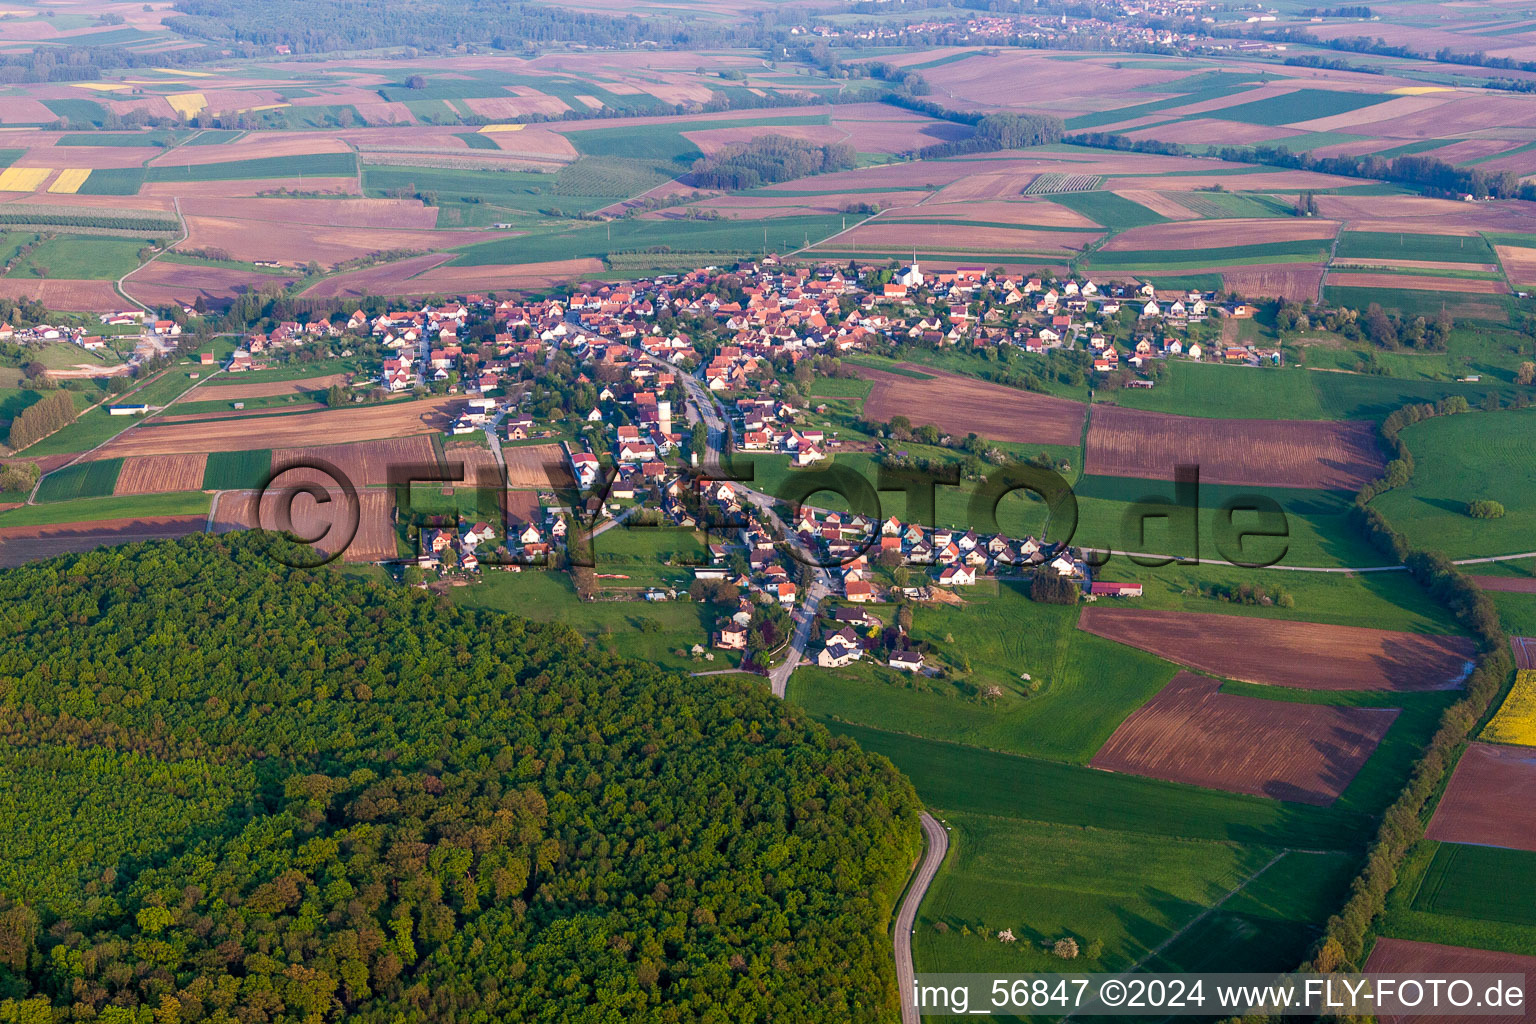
[(965, 405), (156, 474), (1300, 654), (1271, 453), (1457, 883), (1461, 459), (1515, 721), (84, 531), (1490, 799), (1192, 732), (391, 420)]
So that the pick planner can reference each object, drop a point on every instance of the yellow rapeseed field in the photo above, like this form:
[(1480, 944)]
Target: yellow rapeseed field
[(1516, 719), (187, 103), (492, 129), (23, 179), (69, 180)]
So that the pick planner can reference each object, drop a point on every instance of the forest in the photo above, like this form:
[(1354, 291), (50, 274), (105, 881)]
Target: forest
[(240, 791), (767, 159)]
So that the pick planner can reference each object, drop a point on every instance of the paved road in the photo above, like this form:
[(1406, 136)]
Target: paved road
[(805, 615), (937, 839)]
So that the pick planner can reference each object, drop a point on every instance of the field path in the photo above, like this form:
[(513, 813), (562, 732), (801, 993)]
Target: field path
[(1322, 279), (1151, 953), (906, 917), (185, 234)]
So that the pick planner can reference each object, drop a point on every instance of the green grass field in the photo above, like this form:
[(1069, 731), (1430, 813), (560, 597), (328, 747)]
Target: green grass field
[(1236, 392), (1492, 308), (1045, 881), (1082, 686), (1477, 881), (840, 387), (1221, 205), (1407, 246), (957, 778), (1404, 919), (1271, 923), (1301, 105), (636, 234), (113, 181), (314, 165), (1459, 459), (1317, 533), (151, 139), (1108, 209), (87, 510), (232, 471), (93, 427), (82, 480), (94, 257), (616, 626), (1301, 250), (1378, 600)]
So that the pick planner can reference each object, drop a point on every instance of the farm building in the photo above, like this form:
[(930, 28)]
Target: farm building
[(1114, 589)]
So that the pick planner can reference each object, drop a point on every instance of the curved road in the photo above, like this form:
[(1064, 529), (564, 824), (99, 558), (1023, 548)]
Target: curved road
[(937, 838)]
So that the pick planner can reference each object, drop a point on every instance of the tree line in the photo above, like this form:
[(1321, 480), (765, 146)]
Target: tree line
[(1342, 944), (40, 419), (1425, 172)]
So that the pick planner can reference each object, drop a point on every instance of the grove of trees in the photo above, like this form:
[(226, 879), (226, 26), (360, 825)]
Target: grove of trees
[(768, 159)]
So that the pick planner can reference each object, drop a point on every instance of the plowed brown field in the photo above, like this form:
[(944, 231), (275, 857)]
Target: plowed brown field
[(364, 463), (1400, 956), (1414, 282), (1279, 281), (1525, 651), (58, 293), (1191, 732), (155, 474), (337, 426), (1491, 799), (1272, 453), (218, 391), (1507, 584), (1213, 234), (21, 544), (374, 540), (963, 405), (165, 282), (537, 465), (1307, 655)]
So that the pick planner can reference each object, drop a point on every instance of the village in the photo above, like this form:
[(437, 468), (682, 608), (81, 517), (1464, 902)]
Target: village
[(615, 378)]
